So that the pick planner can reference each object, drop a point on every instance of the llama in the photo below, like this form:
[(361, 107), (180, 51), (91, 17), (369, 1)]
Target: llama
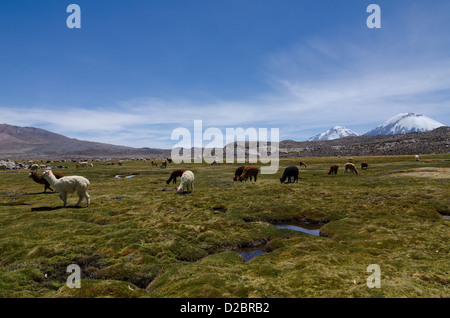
[(333, 169), (67, 185), (302, 164), (187, 182), (154, 163), (351, 167), (163, 164), (364, 166), (38, 179), (249, 171), (174, 175), (289, 172), (238, 173)]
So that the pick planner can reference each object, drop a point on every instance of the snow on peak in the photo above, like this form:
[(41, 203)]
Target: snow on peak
[(334, 133), (405, 123)]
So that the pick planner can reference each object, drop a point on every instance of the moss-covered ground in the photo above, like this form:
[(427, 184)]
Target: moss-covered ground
[(139, 238)]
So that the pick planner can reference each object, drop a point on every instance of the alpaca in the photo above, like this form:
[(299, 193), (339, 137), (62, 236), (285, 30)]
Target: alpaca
[(333, 169), (34, 167), (67, 185), (163, 164), (238, 173), (417, 158), (364, 166), (38, 179), (249, 171), (174, 175), (83, 164), (351, 167), (289, 172), (302, 164), (187, 182), (154, 163)]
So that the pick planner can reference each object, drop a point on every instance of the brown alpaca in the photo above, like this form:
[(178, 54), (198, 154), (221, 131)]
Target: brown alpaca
[(333, 169), (351, 167), (238, 173), (364, 166), (174, 175), (154, 163), (38, 179), (249, 172), (302, 164)]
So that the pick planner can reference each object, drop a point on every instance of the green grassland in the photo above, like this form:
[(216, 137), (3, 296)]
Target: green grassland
[(139, 238)]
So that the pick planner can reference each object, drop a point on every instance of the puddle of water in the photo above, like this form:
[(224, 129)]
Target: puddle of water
[(118, 176), (249, 254), (312, 229)]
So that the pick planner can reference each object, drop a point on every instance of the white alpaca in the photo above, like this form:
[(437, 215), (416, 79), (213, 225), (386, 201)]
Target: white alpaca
[(83, 164), (187, 182), (67, 185)]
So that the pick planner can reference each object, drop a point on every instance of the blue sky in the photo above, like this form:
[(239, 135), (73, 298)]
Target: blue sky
[(138, 69)]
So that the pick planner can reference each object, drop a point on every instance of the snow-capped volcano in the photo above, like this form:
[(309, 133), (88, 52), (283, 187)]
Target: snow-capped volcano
[(334, 133), (405, 123)]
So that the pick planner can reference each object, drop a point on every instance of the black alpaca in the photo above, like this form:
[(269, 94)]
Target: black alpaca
[(289, 172)]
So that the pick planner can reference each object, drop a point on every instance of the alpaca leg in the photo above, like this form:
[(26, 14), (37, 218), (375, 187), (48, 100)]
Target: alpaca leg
[(88, 198), (63, 197)]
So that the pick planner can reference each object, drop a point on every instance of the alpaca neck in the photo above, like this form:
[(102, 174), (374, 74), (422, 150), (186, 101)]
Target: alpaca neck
[(51, 178)]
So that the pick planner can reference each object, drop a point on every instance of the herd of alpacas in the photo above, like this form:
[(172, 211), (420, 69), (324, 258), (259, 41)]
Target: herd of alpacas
[(70, 184)]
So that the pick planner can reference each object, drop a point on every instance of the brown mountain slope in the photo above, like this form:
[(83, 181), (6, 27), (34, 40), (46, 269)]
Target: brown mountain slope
[(24, 142)]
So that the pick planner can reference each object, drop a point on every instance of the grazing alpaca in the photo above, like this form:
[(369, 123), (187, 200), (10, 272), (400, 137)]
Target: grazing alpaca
[(333, 169), (417, 158), (83, 164), (289, 172), (364, 166), (351, 167), (187, 182), (163, 164), (67, 185), (38, 179), (154, 163), (302, 164), (169, 160), (238, 173), (174, 175), (249, 171)]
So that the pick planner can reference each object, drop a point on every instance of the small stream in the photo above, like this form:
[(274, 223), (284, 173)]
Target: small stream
[(312, 229), (118, 176)]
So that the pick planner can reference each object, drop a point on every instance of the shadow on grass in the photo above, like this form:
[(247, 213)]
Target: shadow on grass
[(47, 208)]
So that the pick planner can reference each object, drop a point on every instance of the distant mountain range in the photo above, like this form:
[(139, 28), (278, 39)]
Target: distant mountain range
[(402, 134), (400, 124), (24, 142)]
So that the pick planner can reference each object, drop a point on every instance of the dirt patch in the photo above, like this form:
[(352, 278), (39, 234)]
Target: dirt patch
[(429, 172)]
